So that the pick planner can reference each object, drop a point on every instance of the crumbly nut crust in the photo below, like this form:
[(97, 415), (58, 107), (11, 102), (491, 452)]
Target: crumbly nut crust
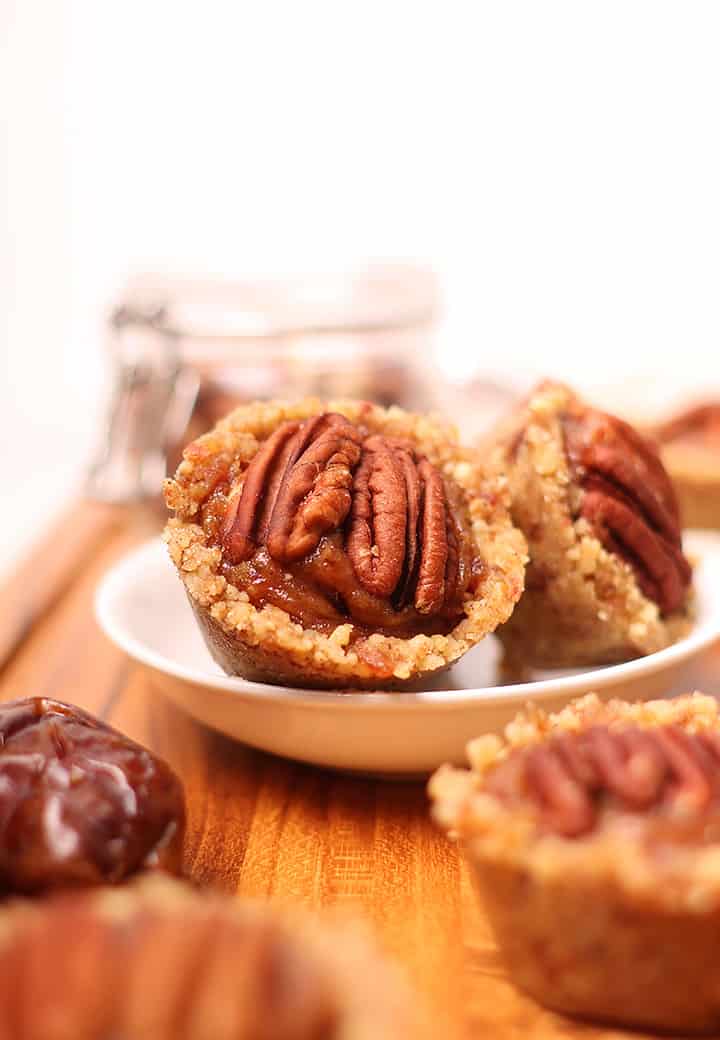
[(268, 636), (598, 926), (582, 604), (492, 832)]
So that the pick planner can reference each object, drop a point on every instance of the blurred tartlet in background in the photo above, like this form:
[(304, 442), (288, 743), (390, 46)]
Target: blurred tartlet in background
[(690, 448)]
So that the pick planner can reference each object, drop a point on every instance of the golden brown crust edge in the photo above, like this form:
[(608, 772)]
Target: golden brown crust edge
[(582, 950), (582, 605), (265, 644), (237, 657), (591, 927)]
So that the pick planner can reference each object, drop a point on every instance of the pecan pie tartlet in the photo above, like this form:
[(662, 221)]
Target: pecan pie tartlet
[(607, 578), (158, 960), (594, 838), (690, 449), (340, 545), (80, 803)]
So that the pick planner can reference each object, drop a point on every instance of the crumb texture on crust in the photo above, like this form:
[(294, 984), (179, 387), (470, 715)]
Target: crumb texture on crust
[(499, 834), (638, 930), (582, 604), (331, 659)]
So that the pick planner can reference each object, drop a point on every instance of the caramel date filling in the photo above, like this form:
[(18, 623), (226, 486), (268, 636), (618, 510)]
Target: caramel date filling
[(629, 502), (569, 779), (332, 524)]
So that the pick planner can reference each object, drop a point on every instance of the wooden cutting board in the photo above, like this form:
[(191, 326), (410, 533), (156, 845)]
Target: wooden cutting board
[(263, 827)]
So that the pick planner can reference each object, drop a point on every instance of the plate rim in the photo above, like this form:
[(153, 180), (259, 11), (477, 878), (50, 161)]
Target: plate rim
[(698, 541)]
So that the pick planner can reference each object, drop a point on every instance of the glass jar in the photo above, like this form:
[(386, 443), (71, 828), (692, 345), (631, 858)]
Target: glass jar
[(186, 352)]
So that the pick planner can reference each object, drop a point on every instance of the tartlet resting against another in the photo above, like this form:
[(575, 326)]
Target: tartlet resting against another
[(594, 838), (341, 544), (607, 579), (158, 960)]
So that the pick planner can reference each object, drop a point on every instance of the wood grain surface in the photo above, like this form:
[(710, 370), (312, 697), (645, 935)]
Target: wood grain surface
[(263, 827)]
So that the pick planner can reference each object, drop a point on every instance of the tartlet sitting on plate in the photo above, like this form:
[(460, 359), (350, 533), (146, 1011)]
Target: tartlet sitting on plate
[(690, 448), (594, 838), (607, 579), (340, 544), (159, 960)]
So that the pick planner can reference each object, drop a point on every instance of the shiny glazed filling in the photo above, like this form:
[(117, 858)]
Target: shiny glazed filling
[(576, 782), (333, 525), (629, 502)]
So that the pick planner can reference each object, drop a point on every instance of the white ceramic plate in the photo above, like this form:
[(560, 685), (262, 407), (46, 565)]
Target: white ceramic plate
[(141, 606)]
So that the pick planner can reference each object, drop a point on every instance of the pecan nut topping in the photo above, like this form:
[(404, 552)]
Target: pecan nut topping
[(629, 502), (324, 491), (569, 778), (377, 536), (297, 486)]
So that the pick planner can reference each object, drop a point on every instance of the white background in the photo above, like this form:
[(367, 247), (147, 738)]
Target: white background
[(557, 163)]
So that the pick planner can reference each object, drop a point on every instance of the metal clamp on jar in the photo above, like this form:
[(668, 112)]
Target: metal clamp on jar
[(186, 352)]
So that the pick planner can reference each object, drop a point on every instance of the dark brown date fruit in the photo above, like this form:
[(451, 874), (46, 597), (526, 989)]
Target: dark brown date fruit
[(80, 804)]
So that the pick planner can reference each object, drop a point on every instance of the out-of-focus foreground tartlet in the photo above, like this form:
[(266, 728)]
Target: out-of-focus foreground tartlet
[(690, 448), (594, 839), (340, 544), (158, 960), (607, 579)]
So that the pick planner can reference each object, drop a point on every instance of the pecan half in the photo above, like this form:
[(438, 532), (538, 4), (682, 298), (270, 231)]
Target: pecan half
[(629, 502), (245, 514), (398, 535), (388, 506), (296, 488), (430, 591), (314, 495), (379, 520), (570, 777)]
